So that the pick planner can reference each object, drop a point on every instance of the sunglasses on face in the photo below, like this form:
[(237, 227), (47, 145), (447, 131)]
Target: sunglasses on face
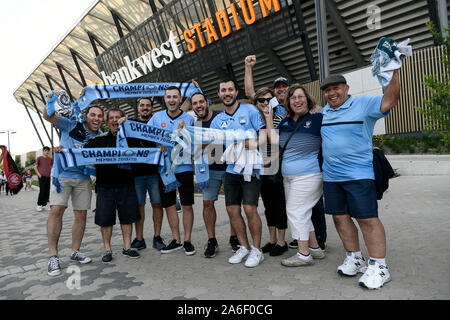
[(262, 100)]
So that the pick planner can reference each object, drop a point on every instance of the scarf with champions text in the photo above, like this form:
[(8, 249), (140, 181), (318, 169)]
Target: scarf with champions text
[(113, 91), (133, 129), (95, 156)]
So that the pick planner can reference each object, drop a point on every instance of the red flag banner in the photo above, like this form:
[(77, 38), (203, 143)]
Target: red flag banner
[(11, 171)]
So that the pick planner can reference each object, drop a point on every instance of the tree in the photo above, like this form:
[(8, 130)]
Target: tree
[(437, 108)]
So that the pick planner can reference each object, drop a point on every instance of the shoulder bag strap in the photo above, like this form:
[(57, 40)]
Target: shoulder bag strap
[(293, 132)]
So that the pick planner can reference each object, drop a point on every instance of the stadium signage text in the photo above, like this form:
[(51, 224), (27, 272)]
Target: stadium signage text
[(225, 29), (154, 59), (168, 51)]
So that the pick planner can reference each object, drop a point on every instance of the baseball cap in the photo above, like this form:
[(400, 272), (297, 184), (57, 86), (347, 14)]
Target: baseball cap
[(333, 79), (281, 79)]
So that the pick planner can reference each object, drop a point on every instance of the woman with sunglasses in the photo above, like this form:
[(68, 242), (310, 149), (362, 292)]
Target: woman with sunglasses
[(299, 135), (272, 193)]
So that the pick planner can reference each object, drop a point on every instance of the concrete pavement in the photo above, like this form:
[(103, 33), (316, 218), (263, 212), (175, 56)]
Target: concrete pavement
[(415, 212)]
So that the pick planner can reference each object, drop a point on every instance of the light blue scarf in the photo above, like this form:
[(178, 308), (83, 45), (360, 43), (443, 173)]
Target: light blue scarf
[(191, 139), (97, 156), (387, 57), (92, 93), (132, 90), (132, 129)]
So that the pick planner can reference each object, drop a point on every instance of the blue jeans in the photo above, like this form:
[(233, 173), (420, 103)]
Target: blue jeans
[(148, 183), (216, 180)]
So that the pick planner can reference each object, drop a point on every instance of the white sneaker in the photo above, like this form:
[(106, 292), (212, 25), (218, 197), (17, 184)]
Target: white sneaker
[(352, 266), (239, 255), (375, 276), (44, 208), (255, 258), (77, 256), (39, 208)]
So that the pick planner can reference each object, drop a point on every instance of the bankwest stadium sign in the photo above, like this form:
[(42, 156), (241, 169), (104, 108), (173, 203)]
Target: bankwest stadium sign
[(168, 51)]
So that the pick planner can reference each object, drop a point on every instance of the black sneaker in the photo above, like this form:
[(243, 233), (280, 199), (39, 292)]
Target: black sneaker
[(173, 246), (234, 243), (188, 248), (268, 247), (278, 250), (293, 244), (158, 243), (211, 248), (130, 253), (107, 257), (138, 244)]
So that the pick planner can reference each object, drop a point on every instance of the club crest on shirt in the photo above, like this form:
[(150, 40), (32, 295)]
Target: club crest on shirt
[(242, 120), (307, 124), (163, 125), (224, 124)]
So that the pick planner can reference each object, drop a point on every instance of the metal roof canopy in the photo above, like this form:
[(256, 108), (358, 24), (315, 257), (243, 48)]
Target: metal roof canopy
[(71, 64)]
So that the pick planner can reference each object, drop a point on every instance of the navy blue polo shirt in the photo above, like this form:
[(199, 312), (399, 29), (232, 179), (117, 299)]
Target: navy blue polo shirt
[(301, 154)]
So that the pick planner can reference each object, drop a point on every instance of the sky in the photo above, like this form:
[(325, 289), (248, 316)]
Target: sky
[(29, 29)]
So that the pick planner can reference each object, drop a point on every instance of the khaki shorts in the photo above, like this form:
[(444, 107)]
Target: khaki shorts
[(79, 189)]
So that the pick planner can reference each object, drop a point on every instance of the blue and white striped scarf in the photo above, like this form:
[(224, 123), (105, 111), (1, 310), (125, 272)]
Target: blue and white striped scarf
[(115, 91), (132, 129), (387, 57), (97, 156), (132, 90)]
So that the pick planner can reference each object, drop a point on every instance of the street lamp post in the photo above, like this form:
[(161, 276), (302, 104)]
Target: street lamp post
[(8, 132)]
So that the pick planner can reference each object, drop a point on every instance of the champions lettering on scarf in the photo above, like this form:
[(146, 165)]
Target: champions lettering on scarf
[(114, 153)]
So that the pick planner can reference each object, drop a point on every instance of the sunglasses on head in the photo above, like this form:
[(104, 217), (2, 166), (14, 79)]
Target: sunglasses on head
[(262, 100)]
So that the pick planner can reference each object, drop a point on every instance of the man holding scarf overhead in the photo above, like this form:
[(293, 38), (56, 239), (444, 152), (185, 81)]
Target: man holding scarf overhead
[(72, 183)]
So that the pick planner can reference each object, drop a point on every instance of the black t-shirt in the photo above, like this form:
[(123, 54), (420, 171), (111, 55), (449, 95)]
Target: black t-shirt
[(207, 124), (109, 175), (142, 169)]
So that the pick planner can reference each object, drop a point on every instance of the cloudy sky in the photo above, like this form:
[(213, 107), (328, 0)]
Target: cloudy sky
[(29, 29)]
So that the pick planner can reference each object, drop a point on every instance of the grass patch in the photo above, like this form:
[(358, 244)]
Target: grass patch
[(420, 144)]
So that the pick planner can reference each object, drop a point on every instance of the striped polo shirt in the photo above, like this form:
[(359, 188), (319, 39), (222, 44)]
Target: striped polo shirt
[(347, 138), (301, 154)]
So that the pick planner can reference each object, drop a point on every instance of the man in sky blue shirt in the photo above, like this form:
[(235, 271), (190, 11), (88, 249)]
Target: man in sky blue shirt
[(349, 186), (171, 119), (241, 116), (74, 184)]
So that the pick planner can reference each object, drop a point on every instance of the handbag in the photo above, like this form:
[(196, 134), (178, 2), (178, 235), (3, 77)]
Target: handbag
[(278, 177)]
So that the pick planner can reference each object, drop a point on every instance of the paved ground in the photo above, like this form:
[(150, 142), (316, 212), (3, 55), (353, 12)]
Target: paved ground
[(415, 212)]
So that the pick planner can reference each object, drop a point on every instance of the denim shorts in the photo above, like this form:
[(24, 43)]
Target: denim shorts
[(238, 191), (357, 198), (216, 180), (150, 184)]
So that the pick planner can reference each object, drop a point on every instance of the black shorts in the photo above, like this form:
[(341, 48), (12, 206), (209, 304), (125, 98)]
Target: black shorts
[(123, 200), (238, 191), (186, 190)]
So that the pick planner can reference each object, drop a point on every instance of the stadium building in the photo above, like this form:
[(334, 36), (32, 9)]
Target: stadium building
[(135, 41)]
